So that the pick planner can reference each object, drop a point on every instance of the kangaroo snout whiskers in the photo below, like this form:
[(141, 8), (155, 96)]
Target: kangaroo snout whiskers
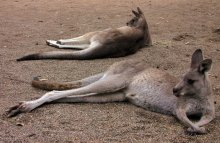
[(177, 92), (134, 81)]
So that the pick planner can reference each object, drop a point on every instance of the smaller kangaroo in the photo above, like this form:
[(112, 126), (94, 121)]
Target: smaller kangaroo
[(108, 43), (134, 81)]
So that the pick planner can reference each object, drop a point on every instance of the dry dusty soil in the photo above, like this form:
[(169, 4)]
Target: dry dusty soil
[(178, 27)]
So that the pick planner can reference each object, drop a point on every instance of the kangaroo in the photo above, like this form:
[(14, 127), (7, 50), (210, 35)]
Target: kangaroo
[(135, 82), (108, 43)]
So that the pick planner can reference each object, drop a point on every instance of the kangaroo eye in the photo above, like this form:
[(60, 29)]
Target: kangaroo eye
[(190, 81)]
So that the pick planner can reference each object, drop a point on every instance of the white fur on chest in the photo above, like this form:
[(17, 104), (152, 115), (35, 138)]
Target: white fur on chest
[(150, 91)]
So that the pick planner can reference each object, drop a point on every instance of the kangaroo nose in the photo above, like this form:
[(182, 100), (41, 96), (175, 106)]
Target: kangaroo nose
[(175, 90)]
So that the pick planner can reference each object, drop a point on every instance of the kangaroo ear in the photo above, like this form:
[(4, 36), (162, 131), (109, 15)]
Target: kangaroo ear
[(197, 57), (205, 66), (136, 13), (139, 11)]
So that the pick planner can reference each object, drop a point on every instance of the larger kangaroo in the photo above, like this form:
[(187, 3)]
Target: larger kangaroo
[(137, 83), (101, 44)]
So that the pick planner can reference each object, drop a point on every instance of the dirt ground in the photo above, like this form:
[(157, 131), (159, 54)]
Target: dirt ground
[(177, 28)]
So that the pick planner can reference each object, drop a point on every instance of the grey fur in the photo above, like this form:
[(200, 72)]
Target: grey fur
[(152, 89), (111, 42)]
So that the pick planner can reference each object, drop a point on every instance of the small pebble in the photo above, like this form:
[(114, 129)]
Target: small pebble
[(187, 55), (31, 135), (20, 124)]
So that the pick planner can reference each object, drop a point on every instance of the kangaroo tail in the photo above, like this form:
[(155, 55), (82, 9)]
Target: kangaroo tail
[(61, 55), (29, 57), (44, 84)]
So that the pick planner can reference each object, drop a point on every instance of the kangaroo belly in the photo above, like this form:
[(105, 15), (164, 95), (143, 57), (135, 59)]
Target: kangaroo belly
[(125, 40), (152, 90)]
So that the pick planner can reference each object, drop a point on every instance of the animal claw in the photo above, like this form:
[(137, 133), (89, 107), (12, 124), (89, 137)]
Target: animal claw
[(59, 42), (12, 108), (17, 109), (52, 43), (14, 113), (193, 132), (48, 42)]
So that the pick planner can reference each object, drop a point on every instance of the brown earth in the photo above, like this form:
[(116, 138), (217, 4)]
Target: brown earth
[(177, 27)]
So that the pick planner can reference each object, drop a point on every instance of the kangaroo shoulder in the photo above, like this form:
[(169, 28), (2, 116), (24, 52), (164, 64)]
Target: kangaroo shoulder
[(155, 77)]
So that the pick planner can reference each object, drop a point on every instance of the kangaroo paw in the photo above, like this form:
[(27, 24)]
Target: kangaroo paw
[(200, 130), (60, 42), (52, 43), (19, 108)]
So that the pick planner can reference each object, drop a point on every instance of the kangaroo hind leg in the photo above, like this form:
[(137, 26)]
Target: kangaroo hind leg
[(81, 42), (100, 98), (110, 84), (84, 39), (56, 44)]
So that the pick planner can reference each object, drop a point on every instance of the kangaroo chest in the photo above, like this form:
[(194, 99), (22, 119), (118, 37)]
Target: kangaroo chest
[(152, 90)]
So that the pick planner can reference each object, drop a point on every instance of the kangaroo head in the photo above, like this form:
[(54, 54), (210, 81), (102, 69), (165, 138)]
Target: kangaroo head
[(138, 20), (195, 82)]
